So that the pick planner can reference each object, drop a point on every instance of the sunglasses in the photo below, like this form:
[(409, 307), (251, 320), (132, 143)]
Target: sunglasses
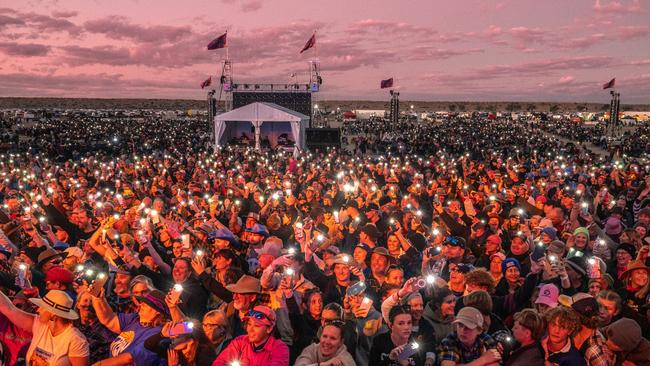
[(257, 315), (335, 322), (452, 240)]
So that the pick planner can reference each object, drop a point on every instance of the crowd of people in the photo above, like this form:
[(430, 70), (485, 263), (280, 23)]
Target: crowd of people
[(472, 242)]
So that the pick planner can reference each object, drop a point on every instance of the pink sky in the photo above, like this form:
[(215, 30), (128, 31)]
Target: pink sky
[(524, 50)]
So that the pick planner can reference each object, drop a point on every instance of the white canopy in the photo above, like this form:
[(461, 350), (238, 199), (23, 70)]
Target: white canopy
[(261, 112)]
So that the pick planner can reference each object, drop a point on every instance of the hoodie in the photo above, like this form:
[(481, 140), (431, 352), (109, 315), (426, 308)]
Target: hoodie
[(441, 327), (312, 356)]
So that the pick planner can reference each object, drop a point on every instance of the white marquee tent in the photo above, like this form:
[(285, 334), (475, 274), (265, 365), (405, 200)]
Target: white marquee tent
[(257, 114)]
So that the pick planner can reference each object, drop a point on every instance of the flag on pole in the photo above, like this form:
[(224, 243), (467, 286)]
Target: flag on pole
[(388, 83), (310, 43), (609, 84), (207, 82), (219, 42)]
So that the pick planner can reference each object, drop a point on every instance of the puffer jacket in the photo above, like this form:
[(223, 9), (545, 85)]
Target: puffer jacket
[(274, 353)]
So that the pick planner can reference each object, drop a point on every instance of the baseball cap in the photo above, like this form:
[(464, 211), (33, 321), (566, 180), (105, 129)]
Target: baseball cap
[(469, 317), (548, 295)]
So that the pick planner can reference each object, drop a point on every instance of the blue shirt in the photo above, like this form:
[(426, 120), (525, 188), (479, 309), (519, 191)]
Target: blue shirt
[(131, 340)]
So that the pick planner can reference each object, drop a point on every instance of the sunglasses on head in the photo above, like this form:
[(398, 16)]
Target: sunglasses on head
[(257, 315), (335, 322)]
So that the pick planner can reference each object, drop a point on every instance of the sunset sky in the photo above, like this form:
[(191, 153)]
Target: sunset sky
[(501, 50)]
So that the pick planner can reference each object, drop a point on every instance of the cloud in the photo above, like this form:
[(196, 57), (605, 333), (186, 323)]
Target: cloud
[(8, 20), (37, 24), (524, 70), (251, 6), (117, 27), (583, 42), (377, 28), (106, 55), (64, 13), (524, 37), (247, 6), (24, 50), (431, 53), (617, 7), (566, 79), (626, 33)]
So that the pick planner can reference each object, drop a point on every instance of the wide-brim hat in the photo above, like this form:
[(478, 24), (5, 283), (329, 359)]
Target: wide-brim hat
[(633, 266), (48, 254), (245, 285), (58, 303), (344, 259)]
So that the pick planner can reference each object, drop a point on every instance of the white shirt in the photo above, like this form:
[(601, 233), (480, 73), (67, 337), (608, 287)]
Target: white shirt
[(48, 350)]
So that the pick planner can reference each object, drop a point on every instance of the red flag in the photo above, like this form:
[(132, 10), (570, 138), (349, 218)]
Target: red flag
[(609, 84), (219, 42), (388, 83), (207, 82), (310, 43)]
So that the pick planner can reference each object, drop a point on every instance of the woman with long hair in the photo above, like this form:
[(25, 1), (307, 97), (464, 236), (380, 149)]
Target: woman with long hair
[(636, 285)]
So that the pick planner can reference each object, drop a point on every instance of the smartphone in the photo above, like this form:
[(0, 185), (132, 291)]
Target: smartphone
[(22, 275), (96, 286), (43, 224), (181, 328), (366, 304), (176, 292), (409, 350), (186, 241), (355, 223)]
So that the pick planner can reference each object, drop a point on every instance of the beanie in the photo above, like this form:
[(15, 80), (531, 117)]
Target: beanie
[(550, 231), (510, 262), (625, 333), (628, 248), (581, 230)]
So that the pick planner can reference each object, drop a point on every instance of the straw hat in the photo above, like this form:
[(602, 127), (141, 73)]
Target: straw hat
[(58, 303)]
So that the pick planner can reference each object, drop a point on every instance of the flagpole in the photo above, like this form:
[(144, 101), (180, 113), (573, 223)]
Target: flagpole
[(227, 46)]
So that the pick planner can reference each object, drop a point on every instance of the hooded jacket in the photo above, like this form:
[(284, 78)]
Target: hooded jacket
[(311, 355), (441, 327)]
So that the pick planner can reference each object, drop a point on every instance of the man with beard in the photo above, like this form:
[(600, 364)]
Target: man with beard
[(99, 337), (120, 298)]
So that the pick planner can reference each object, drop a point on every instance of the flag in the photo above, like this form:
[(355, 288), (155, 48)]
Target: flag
[(310, 43), (388, 83), (219, 42), (207, 82), (609, 84)]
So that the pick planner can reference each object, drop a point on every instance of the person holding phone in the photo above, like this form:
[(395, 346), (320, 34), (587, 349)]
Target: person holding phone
[(396, 347), (132, 329)]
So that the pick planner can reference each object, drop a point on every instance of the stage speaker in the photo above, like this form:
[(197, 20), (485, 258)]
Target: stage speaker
[(323, 137)]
